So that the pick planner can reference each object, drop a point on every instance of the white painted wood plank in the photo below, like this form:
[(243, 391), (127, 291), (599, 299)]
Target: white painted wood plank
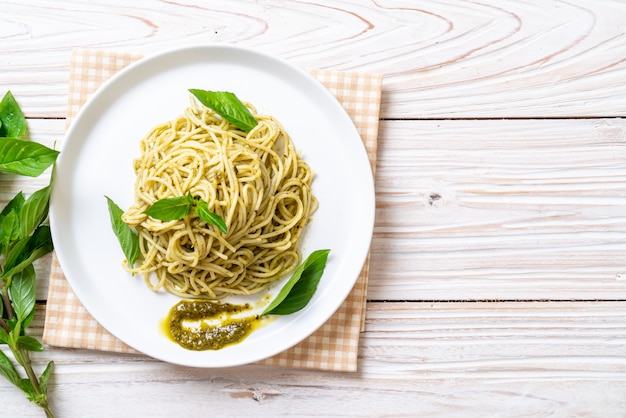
[(416, 359), (505, 210), (440, 59)]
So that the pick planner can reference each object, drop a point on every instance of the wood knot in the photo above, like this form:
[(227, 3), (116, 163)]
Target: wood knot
[(434, 199)]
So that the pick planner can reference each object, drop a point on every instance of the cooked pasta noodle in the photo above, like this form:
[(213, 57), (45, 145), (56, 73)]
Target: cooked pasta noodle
[(255, 181)]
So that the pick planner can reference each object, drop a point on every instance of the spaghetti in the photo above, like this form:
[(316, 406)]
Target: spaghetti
[(255, 181)]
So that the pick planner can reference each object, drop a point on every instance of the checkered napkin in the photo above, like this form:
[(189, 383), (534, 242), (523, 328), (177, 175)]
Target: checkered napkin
[(332, 347)]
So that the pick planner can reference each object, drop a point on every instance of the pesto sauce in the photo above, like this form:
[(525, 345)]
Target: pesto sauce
[(217, 328)]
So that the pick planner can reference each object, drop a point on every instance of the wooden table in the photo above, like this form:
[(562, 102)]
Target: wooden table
[(498, 268)]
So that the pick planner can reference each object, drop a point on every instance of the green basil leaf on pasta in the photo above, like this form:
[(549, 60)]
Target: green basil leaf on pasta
[(228, 106), (12, 120), (202, 210), (299, 289), (129, 241), (171, 209)]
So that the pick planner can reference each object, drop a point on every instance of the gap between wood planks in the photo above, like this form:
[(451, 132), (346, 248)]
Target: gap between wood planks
[(551, 118), (492, 300), (439, 119)]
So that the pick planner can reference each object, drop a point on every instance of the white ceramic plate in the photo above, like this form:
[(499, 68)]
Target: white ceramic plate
[(96, 160)]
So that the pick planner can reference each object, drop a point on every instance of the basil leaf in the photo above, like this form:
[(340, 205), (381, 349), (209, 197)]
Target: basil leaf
[(9, 229), (171, 209), (27, 250), (29, 343), (27, 387), (4, 337), (228, 106), (202, 210), (16, 203), (12, 120), (8, 370), (128, 239), (34, 211), (45, 377), (22, 292), (26, 322), (18, 156), (9, 221), (299, 289)]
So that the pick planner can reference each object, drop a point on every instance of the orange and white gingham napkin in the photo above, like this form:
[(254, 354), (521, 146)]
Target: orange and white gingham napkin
[(332, 347)]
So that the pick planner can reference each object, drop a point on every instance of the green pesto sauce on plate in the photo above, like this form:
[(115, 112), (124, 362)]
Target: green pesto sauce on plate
[(201, 325)]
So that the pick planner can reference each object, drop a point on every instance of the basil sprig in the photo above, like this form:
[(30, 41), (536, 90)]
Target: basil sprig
[(18, 155), (24, 238), (175, 208), (170, 209), (228, 106), (299, 289)]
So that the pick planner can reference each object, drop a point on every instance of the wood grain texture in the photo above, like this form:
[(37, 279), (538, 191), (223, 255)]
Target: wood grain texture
[(500, 209), (440, 59), (416, 359)]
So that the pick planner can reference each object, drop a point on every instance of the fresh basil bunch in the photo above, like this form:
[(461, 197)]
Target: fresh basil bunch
[(24, 238)]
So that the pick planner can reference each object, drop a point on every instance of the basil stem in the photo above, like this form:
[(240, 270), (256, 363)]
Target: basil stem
[(23, 239)]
